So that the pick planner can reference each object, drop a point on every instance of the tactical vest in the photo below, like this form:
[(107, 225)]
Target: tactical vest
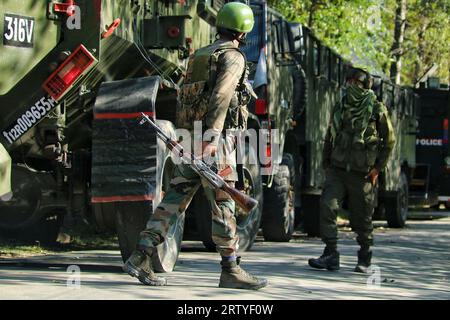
[(350, 154), (200, 80)]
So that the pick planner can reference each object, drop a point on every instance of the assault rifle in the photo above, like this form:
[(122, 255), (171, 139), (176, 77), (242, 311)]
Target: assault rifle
[(202, 169)]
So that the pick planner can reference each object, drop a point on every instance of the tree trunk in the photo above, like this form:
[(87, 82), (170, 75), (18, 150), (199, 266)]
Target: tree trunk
[(397, 46), (418, 69), (312, 10)]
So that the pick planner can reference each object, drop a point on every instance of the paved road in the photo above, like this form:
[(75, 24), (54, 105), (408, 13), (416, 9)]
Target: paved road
[(413, 264)]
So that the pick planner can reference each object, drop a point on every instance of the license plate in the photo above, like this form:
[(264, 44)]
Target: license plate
[(18, 31)]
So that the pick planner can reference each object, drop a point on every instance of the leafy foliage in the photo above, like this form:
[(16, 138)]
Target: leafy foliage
[(428, 38), (363, 32)]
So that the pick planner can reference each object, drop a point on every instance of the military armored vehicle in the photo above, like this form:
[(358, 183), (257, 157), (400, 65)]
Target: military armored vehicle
[(273, 75), (75, 76), (298, 80), (320, 83)]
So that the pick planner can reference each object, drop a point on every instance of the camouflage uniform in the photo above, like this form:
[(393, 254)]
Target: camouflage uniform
[(348, 161), (214, 96), (5, 173)]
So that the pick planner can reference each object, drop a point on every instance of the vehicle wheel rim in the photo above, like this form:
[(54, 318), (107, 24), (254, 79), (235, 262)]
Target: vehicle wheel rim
[(243, 219), (403, 202), (290, 214), (25, 202), (168, 251)]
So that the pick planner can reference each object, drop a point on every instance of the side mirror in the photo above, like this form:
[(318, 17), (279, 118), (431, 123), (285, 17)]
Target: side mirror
[(280, 45), (295, 35), (289, 42)]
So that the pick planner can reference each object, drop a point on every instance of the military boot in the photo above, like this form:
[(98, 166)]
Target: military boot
[(139, 265), (328, 260), (233, 276), (364, 258)]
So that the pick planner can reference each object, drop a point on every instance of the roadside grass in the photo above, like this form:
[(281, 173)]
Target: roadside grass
[(78, 238), (12, 249)]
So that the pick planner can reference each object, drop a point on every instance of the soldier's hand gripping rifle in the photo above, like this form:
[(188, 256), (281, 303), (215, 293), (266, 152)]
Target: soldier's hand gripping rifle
[(202, 169)]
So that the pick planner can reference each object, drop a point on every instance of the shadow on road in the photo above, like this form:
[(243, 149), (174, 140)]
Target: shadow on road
[(412, 263)]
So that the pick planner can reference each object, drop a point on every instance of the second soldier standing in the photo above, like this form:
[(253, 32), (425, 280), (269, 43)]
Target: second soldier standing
[(358, 144)]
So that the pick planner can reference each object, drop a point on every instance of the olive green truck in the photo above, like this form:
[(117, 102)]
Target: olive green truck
[(75, 76), (300, 82)]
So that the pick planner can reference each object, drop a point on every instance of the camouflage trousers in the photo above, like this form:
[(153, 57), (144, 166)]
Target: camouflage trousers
[(360, 195), (183, 186)]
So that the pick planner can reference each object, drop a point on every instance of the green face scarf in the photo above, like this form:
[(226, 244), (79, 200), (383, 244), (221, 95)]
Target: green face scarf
[(354, 111)]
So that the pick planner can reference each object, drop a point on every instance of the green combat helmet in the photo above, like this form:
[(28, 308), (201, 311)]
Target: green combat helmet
[(235, 16)]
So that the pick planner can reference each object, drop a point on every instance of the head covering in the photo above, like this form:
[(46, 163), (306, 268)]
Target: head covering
[(355, 110)]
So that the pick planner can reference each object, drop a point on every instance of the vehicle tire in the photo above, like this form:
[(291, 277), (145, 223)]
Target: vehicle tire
[(131, 217), (29, 216), (105, 221), (24, 209), (46, 230), (279, 211), (247, 224), (396, 208), (43, 232), (311, 214), (379, 212)]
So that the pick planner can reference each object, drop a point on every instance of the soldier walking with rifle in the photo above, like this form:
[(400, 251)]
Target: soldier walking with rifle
[(215, 93)]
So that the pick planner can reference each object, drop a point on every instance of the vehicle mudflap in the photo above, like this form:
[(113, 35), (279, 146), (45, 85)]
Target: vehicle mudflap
[(124, 154)]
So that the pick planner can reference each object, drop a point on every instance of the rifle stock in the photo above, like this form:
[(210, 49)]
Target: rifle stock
[(244, 201)]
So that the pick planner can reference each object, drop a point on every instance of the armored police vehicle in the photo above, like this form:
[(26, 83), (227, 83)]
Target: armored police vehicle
[(430, 183)]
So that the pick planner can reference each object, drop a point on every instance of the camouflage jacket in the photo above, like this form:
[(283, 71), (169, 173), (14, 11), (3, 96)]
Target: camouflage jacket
[(344, 150), (215, 93)]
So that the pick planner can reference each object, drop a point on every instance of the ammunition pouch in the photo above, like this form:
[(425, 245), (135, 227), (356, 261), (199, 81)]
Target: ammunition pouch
[(340, 148), (372, 149), (360, 157), (245, 93), (190, 93), (237, 117), (194, 96), (193, 104), (238, 113)]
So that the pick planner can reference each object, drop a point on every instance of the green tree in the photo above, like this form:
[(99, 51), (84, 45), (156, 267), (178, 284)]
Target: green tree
[(364, 32), (356, 29), (427, 39), (397, 50)]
